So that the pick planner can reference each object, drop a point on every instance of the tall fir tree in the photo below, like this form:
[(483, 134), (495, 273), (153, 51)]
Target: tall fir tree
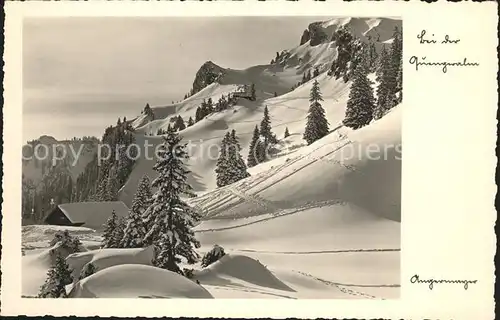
[(142, 200), (381, 61), (316, 72), (221, 167), (235, 141), (237, 168), (111, 186), (101, 194), (397, 63), (119, 232), (317, 125), (125, 163), (171, 219), (389, 91), (265, 129), (58, 277), (230, 166), (252, 159), (204, 109), (108, 237), (190, 121), (179, 124), (287, 133), (360, 105), (210, 106), (373, 56), (198, 115), (253, 94), (383, 89)]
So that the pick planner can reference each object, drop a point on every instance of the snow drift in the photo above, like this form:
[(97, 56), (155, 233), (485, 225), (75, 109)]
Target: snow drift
[(240, 267), (105, 258), (137, 281)]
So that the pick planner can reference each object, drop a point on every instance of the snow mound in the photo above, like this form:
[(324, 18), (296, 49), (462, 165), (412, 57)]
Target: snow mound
[(242, 268), (105, 258), (137, 281)]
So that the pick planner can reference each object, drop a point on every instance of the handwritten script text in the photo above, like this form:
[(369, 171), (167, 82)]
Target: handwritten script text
[(431, 282), (426, 39)]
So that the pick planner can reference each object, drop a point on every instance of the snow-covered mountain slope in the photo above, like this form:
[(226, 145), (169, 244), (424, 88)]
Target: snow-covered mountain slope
[(288, 109)]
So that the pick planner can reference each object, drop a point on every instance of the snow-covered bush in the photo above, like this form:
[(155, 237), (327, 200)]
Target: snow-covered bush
[(88, 270), (213, 255), (70, 243), (188, 272)]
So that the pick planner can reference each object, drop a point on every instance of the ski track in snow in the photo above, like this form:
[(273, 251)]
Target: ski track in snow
[(341, 286), (282, 213), (238, 190), (250, 290)]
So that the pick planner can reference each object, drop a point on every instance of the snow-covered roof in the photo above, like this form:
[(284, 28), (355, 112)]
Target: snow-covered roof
[(93, 214)]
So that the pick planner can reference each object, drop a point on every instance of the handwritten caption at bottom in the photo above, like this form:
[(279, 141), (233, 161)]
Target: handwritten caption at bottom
[(431, 282)]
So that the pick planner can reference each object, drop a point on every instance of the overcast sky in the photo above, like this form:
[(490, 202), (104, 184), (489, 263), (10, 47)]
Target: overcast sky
[(81, 74)]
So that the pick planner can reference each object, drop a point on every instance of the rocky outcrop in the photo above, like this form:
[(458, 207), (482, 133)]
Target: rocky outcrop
[(208, 73), (305, 37), (316, 34)]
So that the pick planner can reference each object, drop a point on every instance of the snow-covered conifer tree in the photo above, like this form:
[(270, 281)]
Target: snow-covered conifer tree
[(236, 167), (234, 140), (390, 77), (317, 125), (253, 95), (170, 217), (287, 133), (265, 129), (179, 124), (111, 193), (109, 231), (119, 232), (360, 105), (198, 115), (221, 167), (316, 72), (252, 159)]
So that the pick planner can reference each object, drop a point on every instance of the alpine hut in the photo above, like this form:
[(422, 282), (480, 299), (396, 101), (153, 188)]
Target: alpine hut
[(87, 214)]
